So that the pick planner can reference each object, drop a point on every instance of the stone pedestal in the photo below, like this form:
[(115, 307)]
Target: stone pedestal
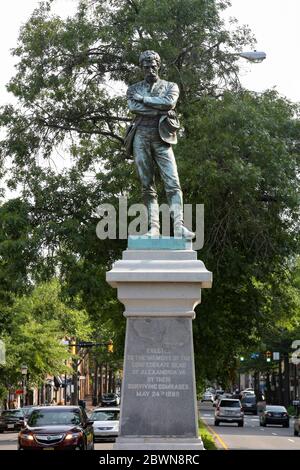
[(160, 289)]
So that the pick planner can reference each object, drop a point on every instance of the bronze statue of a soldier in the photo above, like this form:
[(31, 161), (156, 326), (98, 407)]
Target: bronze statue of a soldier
[(150, 138)]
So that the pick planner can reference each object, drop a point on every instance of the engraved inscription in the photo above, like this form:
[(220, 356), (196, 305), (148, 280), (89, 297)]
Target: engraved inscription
[(159, 373)]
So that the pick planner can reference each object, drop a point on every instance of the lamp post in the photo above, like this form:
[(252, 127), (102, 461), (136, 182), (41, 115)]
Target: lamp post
[(24, 371), (252, 56)]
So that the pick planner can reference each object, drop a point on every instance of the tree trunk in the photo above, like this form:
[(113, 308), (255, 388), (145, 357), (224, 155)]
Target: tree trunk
[(110, 380), (280, 398), (74, 398), (100, 383), (268, 388), (106, 381), (286, 380), (95, 384)]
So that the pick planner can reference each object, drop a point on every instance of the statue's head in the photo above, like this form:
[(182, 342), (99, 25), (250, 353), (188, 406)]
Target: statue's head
[(150, 64)]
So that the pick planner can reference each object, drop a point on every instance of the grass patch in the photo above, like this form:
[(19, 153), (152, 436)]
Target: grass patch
[(291, 410), (206, 436)]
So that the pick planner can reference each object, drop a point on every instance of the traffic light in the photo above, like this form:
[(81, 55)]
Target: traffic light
[(268, 356), (73, 347), (110, 346)]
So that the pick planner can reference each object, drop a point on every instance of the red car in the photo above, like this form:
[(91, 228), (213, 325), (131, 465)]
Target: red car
[(57, 428)]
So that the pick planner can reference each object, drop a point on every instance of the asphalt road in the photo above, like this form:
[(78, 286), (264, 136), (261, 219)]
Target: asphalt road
[(252, 436)]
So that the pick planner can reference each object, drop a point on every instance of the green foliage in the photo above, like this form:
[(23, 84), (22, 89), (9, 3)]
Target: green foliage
[(35, 326), (238, 154), (206, 436)]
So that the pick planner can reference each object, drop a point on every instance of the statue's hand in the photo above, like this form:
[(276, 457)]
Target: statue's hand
[(138, 97), (172, 114)]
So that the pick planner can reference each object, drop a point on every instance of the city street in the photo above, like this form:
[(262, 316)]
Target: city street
[(252, 436), (227, 436)]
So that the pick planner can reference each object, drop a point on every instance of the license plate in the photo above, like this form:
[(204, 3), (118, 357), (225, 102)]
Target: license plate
[(48, 448), (10, 426)]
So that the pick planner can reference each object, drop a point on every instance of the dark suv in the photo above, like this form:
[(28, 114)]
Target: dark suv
[(249, 404), (11, 420)]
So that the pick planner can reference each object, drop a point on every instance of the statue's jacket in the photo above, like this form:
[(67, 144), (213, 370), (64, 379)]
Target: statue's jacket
[(158, 100)]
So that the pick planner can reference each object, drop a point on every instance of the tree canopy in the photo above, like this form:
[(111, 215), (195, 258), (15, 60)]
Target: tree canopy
[(238, 154)]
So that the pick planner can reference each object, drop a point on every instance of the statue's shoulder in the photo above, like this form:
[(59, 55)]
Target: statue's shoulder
[(136, 86), (166, 84)]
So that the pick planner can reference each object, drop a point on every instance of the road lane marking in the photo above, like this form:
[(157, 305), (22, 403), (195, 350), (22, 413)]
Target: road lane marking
[(217, 437), (291, 440)]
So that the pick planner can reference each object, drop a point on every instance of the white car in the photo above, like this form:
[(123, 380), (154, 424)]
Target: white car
[(208, 396), (229, 410), (106, 422)]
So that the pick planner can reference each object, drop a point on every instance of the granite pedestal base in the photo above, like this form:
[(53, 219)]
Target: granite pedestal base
[(159, 289)]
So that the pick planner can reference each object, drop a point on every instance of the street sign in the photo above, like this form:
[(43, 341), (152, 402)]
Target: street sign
[(276, 356), (19, 392)]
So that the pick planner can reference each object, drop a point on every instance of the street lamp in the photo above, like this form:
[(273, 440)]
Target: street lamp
[(252, 56), (24, 371)]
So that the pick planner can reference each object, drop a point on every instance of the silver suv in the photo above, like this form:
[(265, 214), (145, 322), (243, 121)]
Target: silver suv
[(229, 410)]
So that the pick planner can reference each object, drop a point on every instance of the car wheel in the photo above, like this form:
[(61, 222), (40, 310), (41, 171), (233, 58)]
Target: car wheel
[(1, 431), (240, 425), (286, 425), (296, 433)]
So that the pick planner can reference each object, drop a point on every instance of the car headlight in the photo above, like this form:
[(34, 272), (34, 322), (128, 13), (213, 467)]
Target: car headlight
[(72, 435), (27, 437)]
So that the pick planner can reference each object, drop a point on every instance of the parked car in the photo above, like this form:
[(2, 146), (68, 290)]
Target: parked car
[(297, 422), (27, 410), (11, 420), (229, 410), (249, 404), (110, 399), (275, 414), (208, 396), (106, 423), (57, 428)]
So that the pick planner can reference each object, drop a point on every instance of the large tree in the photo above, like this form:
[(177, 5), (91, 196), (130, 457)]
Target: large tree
[(238, 154)]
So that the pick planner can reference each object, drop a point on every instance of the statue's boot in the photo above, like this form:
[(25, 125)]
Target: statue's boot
[(180, 231), (153, 218)]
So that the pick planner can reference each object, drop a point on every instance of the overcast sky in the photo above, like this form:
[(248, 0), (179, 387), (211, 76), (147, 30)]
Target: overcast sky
[(275, 23)]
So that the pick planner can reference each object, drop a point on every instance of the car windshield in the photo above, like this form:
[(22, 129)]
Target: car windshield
[(54, 417), (249, 399), (100, 415), (109, 396), (27, 411), (230, 404), (276, 408), (12, 413)]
